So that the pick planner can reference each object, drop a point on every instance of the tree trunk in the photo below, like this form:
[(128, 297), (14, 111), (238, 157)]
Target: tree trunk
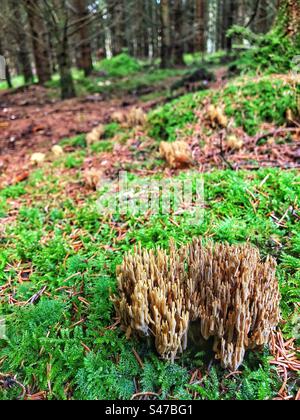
[(8, 77), (155, 24), (58, 17), (219, 25), (241, 12), (39, 42), (139, 28), (166, 50), (190, 27), (7, 72), (65, 72), (146, 28), (178, 28), (117, 25), (289, 18), (262, 17), (229, 13), (21, 40), (85, 61), (200, 25), (101, 52), (232, 10)]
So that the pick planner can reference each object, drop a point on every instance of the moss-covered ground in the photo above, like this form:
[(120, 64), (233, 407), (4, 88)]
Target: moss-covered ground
[(66, 344)]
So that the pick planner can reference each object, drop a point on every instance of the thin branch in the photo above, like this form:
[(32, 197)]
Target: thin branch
[(275, 132), (254, 14)]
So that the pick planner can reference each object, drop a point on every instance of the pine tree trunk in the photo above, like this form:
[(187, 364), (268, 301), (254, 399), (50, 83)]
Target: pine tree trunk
[(241, 12), (200, 25), (166, 50), (85, 61), (117, 25), (262, 17), (120, 25), (65, 72), (229, 10), (178, 28), (101, 38), (219, 25), (139, 28), (7, 72), (190, 26), (21, 39), (146, 29), (155, 26), (39, 42)]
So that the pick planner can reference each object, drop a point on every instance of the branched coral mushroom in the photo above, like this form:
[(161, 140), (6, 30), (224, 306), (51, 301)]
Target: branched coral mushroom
[(156, 298), (228, 289), (239, 297)]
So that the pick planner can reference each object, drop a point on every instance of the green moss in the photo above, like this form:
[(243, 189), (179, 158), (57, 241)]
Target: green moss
[(14, 191), (269, 53), (111, 130), (257, 102), (165, 121), (74, 160), (120, 65), (76, 142), (102, 146), (249, 103)]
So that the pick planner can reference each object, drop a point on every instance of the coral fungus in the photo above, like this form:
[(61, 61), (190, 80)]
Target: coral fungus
[(229, 290)]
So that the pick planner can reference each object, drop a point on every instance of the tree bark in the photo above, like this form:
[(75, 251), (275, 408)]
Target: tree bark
[(219, 25), (229, 11), (262, 17), (7, 72), (154, 28), (59, 21), (166, 50), (139, 26), (39, 42), (241, 12), (85, 61), (65, 72), (178, 28), (232, 10), (117, 25), (200, 25), (190, 26), (21, 40), (146, 13)]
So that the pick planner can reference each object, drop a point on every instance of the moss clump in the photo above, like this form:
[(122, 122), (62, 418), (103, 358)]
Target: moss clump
[(120, 65)]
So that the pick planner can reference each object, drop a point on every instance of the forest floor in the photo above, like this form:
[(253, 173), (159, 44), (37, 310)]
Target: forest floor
[(59, 255), (32, 121)]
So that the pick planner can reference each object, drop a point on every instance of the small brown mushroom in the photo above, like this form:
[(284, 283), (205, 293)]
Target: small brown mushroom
[(95, 135), (177, 154)]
